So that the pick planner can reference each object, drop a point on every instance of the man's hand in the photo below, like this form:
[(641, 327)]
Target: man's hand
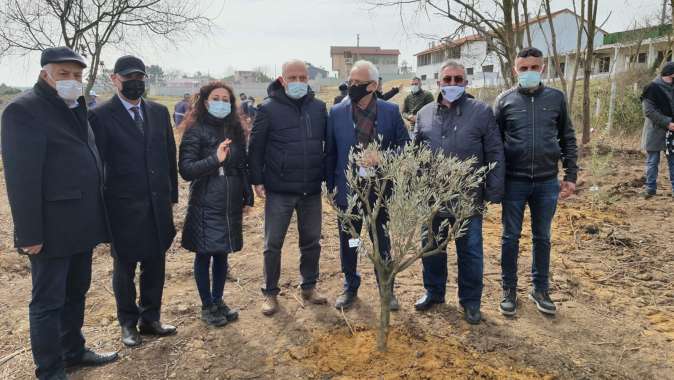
[(31, 250), (259, 191), (412, 119), (567, 189), (671, 127), (246, 210)]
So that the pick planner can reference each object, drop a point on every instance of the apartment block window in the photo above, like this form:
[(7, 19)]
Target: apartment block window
[(488, 69), (469, 71), (641, 58), (435, 76), (604, 64), (423, 77)]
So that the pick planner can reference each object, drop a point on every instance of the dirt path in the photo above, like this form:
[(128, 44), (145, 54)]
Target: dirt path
[(612, 268)]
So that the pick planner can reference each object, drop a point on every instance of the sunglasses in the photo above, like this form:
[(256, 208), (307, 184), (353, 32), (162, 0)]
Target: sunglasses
[(452, 79)]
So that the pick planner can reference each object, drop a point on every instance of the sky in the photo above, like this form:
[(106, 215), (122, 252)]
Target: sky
[(265, 33)]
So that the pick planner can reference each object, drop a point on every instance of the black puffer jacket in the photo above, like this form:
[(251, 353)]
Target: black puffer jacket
[(218, 192), (286, 144), (537, 134)]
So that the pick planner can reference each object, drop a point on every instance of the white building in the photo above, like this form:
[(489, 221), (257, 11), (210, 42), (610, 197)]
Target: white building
[(482, 64)]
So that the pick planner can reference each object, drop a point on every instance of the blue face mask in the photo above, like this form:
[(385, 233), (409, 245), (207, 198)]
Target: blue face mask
[(219, 109), (529, 79), (452, 93), (297, 90)]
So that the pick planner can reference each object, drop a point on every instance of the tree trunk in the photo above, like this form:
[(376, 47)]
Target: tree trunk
[(577, 60), (385, 295), (587, 69), (555, 55), (525, 8)]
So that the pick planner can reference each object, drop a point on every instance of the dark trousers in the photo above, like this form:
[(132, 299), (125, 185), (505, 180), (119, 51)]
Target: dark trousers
[(210, 292), (469, 259), (542, 200), (278, 210), (151, 289), (349, 255), (56, 310)]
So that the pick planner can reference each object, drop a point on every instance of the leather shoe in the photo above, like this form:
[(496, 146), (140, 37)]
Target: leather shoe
[(427, 301), (91, 359), (130, 336), (156, 328), (472, 314), (345, 300), (312, 296)]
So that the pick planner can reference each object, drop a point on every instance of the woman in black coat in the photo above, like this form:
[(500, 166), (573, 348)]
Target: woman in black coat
[(213, 158)]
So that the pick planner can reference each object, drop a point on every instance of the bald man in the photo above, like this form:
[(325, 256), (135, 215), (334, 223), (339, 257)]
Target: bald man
[(286, 164)]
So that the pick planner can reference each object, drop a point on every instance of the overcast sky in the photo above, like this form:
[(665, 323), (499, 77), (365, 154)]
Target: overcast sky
[(257, 33)]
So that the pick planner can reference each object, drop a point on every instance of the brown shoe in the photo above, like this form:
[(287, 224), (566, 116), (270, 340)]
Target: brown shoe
[(270, 305), (312, 296)]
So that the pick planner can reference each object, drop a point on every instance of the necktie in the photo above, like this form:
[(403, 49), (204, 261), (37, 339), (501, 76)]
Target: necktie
[(137, 119)]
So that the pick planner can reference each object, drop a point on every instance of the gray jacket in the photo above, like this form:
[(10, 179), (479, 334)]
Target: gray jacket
[(467, 129), (655, 122)]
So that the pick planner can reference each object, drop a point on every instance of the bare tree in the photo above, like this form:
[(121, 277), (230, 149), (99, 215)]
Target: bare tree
[(553, 44), (580, 24), (493, 20), (89, 26), (525, 11), (590, 30), (413, 186)]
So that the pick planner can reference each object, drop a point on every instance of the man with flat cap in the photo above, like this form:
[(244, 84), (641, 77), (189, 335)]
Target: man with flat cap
[(135, 140), (54, 185)]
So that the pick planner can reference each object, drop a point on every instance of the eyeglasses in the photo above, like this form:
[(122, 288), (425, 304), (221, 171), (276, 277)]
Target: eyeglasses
[(457, 79)]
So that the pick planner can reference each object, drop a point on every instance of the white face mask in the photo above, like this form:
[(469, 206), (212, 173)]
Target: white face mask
[(68, 90)]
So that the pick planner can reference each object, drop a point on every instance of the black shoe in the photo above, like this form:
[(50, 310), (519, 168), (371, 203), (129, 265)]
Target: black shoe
[(543, 302), (59, 376), (508, 304), (212, 316), (130, 336), (472, 314), (345, 300), (91, 359), (156, 328), (224, 311), (427, 301), (393, 304)]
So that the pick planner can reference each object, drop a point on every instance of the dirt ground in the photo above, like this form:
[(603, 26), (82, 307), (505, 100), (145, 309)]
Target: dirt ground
[(612, 265)]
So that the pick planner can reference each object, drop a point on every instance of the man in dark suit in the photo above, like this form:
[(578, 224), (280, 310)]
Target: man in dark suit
[(135, 139), (358, 120), (54, 184)]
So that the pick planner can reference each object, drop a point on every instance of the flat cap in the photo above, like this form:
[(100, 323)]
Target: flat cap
[(61, 54), (129, 64)]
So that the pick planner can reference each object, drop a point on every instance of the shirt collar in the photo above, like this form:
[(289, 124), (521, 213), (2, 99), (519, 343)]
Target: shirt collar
[(128, 105)]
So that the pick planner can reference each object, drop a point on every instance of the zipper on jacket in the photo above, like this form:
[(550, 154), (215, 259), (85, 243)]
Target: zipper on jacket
[(533, 135), (304, 150), (229, 226)]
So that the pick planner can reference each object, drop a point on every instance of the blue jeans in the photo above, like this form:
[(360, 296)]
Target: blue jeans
[(470, 262), (542, 200), (652, 163), (210, 292)]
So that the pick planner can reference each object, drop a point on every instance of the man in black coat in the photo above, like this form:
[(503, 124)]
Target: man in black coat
[(286, 164), (135, 139), (54, 184)]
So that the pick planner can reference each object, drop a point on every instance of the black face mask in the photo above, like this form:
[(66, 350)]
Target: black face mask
[(133, 89), (357, 92)]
